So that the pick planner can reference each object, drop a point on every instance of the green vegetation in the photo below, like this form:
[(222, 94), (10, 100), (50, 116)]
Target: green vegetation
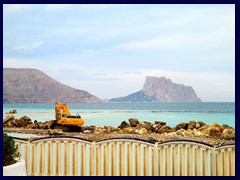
[(10, 151)]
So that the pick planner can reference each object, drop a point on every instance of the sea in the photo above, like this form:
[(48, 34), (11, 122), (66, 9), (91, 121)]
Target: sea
[(112, 114)]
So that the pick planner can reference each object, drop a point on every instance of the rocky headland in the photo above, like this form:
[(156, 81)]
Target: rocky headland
[(161, 89), (25, 85), (33, 86)]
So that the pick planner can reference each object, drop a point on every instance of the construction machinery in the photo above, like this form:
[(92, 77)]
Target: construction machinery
[(66, 121)]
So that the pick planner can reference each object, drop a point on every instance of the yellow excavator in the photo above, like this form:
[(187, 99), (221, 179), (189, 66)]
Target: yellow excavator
[(66, 121)]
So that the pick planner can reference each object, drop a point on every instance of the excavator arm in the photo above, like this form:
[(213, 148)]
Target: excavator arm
[(64, 119), (63, 108)]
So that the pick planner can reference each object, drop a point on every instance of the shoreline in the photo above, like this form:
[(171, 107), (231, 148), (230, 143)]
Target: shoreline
[(159, 131), (99, 136)]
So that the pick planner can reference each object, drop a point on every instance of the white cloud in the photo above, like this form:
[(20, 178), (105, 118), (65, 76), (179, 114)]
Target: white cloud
[(13, 8), (170, 41), (90, 6), (180, 40), (58, 7), (85, 50), (27, 47), (20, 63)]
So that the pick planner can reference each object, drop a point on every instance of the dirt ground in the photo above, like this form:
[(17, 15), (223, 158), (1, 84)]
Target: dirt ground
[(98, 136)]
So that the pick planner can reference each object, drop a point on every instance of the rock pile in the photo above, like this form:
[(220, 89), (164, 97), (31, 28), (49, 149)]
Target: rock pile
[(25, 122), (191, 128), (14, 111)]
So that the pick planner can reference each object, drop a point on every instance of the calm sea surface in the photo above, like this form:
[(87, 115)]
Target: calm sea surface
[(104, 114)]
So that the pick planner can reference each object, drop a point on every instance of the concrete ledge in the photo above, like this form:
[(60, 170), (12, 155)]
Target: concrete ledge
[(17, 169)]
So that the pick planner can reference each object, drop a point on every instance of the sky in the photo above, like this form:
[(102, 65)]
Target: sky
[(108, 50)]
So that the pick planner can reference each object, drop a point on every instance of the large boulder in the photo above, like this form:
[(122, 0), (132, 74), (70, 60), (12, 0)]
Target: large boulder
[(225, 126), (10, 121), (133, 122), (14, 111), (228, 133), (31, 126), (23, 121), (110, 129), (124, 124), (9, 117), (40, 125), (98, 130), (138, 126), (143, 131), (160, 123), (196, 133), (164, 129), (200, 124), (156, 127), (47, 124), (213, 130), (192, 125), (182, 126), (129, 129), (181, 132), (146, 125)]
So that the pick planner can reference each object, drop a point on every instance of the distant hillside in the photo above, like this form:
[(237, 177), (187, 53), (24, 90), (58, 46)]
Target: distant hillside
[(161, 89), (31, 85)]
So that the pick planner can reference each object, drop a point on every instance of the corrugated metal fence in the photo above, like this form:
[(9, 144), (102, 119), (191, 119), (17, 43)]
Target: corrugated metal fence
[(124, 156)]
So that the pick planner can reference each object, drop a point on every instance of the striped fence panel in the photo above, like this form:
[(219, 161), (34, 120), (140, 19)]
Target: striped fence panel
[(124, 156)]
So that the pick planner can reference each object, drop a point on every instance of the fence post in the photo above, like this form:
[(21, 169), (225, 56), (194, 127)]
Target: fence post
[(121, 145), (26, 156), (114, 161), (129, 159), (155, 160), (106, 155), (50, 158), (92, 159), (214, 162), (83, 159), (233, 162), (34, 159)]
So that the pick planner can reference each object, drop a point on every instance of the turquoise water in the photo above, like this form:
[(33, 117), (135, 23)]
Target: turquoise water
[(104, 114), (101, 114)]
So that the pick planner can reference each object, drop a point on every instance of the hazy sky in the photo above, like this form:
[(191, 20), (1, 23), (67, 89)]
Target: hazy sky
[(108, 50)]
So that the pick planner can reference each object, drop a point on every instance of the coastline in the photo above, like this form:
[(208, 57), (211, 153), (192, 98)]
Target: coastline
[(104, 114), (105, 121), (99, 136)]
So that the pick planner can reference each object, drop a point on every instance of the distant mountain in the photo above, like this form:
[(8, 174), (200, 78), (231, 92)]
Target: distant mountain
[(161, 89), (31, 85), (134, 97)]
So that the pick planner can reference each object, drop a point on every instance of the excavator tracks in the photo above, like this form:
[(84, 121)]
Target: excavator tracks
[(66, 128)]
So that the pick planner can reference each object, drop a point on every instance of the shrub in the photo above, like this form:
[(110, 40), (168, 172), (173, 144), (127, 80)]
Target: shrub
[(10, 151)]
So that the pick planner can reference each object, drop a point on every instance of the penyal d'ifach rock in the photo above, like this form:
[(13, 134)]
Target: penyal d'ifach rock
[(161, 89)]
